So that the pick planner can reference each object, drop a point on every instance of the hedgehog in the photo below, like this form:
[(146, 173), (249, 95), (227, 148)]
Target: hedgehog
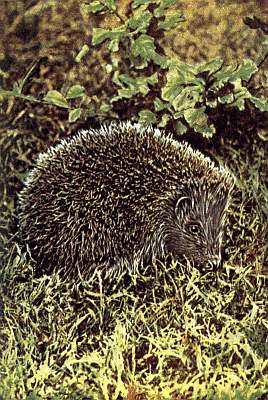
[(120, 197)]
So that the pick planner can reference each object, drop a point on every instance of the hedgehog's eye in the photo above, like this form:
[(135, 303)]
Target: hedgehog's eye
[(194, 229)]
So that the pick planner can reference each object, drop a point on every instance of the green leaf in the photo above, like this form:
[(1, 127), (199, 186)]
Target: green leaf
[(181, 129), (237, 97), (228, 99), (187, 98), (171, 21), (147, 117), (19, 85), (240, 95), (30, 98), (75, 91), (114, 45), (260, 103), (137, 3), (231, 73), (140, 21), (93, 7), (105, 108), (246, 70), (196, 116), (82, 53), (99, 35), (206, 131), (56, 98), (131, 86), (16, 88), (74, 115), (180, 73), (183, 89), (164, 4), (110, 4), (198, 120), (164, 120), (144, 47), (96, 6), (159, 105), (210, 66)]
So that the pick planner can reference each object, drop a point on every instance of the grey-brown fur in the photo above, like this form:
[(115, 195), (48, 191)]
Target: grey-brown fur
[(120, 197)]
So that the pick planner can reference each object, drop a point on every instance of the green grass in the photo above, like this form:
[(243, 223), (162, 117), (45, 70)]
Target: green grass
[(168, 333)]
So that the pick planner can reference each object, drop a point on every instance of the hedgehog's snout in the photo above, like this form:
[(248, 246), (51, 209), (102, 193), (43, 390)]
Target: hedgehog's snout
[(214, 262), (208, 263), (213, 257)]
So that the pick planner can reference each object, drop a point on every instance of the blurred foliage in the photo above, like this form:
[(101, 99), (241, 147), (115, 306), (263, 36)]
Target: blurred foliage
[(186, 96)]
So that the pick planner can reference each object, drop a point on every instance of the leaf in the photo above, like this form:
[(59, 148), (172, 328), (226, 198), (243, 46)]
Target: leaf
[(211, 66), (171, 21), (16, 90), (231, 73), (159, 105), (197, 119), (140, 21), (99, 35), (105, 108), (180, 73), (181, 129), (18, 86), (240, 95), (131, 86), (183, 88), (206, 131), (114, 45), (96, 6), (74, 115), (137, 3), (144, 47), (110, 4), (229, 98), (93, 7), (84, 50), (75, 91), (147, 117), (246, 70), (260, 103), (56, 98), (28, 98), (196, 116), (164, 4), (236, 97), (164, 120), (187, 98)]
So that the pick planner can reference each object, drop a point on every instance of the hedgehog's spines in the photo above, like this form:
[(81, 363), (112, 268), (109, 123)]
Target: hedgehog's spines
[(106, 197)]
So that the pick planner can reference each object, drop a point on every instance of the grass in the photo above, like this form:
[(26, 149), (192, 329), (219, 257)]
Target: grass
[(167, 333), (188, 335)]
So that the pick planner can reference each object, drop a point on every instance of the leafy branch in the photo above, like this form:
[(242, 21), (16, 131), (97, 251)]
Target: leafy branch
[(185, 94), (163, 90)]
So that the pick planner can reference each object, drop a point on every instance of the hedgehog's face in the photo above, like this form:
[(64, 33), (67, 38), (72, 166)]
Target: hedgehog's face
[(197, 227)]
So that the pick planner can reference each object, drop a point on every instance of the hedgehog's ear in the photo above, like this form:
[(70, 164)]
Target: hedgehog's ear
[(181, 203)]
